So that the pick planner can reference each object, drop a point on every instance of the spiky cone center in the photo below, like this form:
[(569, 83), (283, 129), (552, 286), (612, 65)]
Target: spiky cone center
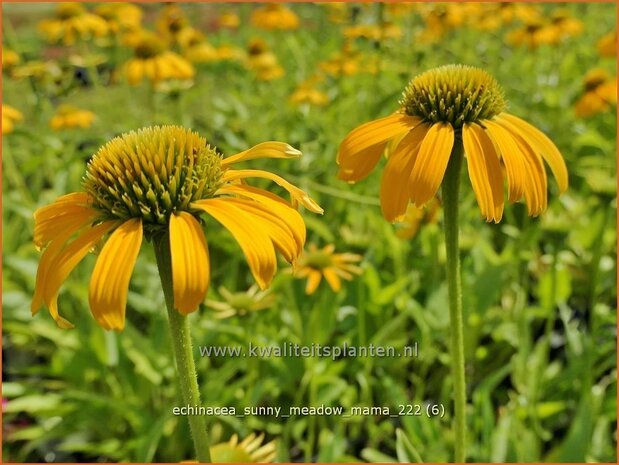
[(151, 174), (454, 94)]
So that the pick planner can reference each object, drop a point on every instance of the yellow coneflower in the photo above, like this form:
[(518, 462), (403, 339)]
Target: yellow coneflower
[(274, 16), (262, 61), (10, 116), (454, 104), (154, 183), (564, 25), (153, 61), (439, 19), (315, 264), (607, 45), (599, 94), (72, 21), (120, 16), (241, 303), (171, 21), (68, 117), (533, 34), (229, 20), (249, 450), (195, 47), (9, 59)]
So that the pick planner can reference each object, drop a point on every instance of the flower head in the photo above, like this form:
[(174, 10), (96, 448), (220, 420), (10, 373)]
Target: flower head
[(9, 59), (120, 16), (249, 450), (155, 183), (599, 93), (68, 116), (71, 21), (450, 105), (274, 16), (229, 20), (241, 303), (154, 61), (10, 116), (607, 45), (315, 263)]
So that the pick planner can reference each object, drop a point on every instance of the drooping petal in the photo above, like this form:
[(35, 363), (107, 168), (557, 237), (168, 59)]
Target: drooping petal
[(276, 204), (515, 167), (264, 150), (361, 149), (254, 241), (484, 171), (542, 144), (536, 194), (431, 163), (394, 185), (66, 212), (313, 280), (298, 195), (190, 262), (65, 261), (109, 283), (332, 278)]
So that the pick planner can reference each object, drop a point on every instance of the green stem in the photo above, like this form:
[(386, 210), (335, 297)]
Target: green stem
[(183, 353), (450, 188)]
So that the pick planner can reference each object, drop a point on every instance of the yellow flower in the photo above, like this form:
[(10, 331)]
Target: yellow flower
[(10, 116), (607, 45), (249, 450), (120, 16), (449, 105), (564, 24), (195, 47), (263, 62), (533, 34), (439, 19), (241, 303), (314, 264), (153, 61), (229, 20), (310, 95), (155, 183), (229, 53), (68, 116), (9, 58), (599, 94), (337, 12), (71, 21), (274, 16), (171, 21), (409, 224)]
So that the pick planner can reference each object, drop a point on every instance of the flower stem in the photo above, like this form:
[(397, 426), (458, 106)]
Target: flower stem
[(183, 352), (450, 189)]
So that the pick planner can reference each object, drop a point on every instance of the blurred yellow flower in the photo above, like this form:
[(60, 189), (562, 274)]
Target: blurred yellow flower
[(230, 53), (408, 225), (440, 108), (607, 45), (155, 183), (249, 450), (195, 47), (10, 116), (9, 59), (38, 70), (69, 117), (337, 12), (263, 62), (153, 61), (70, 22), (120, 16), (310, 95), (170, 22), (315, 264), (439, 19), (274, 16), (599, 94), (533, 34), (229, 20), (241, 303), (564, 25)]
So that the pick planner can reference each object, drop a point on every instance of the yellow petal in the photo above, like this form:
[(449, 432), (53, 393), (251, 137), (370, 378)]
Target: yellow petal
[(484, 171), (275, 204), (263, 150), (313, 281), (64, 262), (542, 144), (190, 262), (109, 282), (515, 167), (66, 212), (394, 185), (332, 278), (254, 241), (361, 149), (297, 194), (431, 163)]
